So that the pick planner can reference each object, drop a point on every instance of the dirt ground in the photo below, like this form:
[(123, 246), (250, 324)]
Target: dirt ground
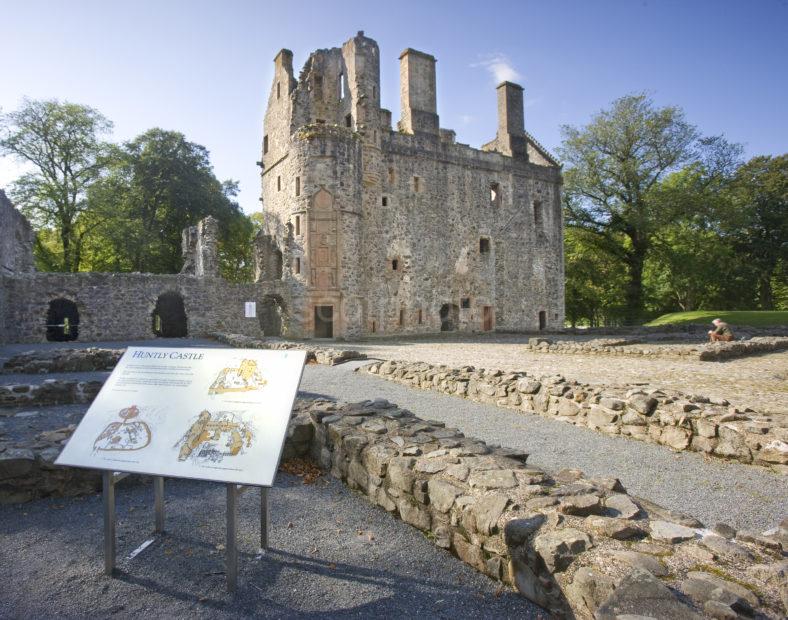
[(760, 382)]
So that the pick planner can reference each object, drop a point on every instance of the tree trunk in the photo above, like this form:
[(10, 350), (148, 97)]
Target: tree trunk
[(765, 296), (634, 291)]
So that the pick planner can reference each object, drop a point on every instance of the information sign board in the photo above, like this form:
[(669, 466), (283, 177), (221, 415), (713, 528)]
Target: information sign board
[(208, 414)]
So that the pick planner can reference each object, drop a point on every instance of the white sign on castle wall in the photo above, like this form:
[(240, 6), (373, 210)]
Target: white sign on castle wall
[(209, 414)]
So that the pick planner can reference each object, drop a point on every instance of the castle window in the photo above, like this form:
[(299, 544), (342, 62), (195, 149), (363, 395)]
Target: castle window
[(320, 121), (420, 316), (495, 194), (401, 317), (298, 186), (484, 245), (297, 266), (278, 90), (416, 184), (537, 213), (265, 144), (373, 327), (298, 225), (341, 76), (465, 303), (374, 92), (384, 201), (392, 176), (278, 184), (394, 264), (348, 120)]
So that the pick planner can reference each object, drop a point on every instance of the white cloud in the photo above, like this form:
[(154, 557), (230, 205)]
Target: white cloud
[(499, 66), (466, 119)]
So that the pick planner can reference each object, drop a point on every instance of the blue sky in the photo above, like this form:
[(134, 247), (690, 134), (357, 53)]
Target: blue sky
[(205, 68)]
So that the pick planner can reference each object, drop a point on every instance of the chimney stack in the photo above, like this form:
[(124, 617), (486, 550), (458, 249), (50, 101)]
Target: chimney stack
[(417, 93), (511, 121)]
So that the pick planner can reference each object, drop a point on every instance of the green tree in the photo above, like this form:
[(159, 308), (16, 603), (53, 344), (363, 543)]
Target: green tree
[(615, 164), (759, 225), (158, 184), (61, 144)]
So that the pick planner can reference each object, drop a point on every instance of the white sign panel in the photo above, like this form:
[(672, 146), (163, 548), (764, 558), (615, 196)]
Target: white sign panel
[(209, 414), (250, 309)]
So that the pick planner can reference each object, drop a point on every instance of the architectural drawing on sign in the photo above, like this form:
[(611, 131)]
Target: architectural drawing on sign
[(130, 434), (245, 378), (211, 437)]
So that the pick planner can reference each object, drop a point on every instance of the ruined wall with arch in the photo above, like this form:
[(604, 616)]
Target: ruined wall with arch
[(116, 306)]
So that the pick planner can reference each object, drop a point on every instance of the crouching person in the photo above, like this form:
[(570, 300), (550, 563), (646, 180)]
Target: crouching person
[(722, 332)]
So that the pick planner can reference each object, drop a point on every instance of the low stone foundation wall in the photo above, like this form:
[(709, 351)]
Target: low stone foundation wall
[(578, 547), (63, 360), (676, 420), (315, 354), (634, 347), (49, 392)]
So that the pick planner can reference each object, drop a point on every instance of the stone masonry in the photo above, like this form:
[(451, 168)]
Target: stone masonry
[(118, 306), (579, 547), (372, 230)]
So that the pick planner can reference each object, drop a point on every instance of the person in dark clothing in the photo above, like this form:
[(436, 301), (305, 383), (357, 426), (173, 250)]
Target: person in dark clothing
[(722, 332)]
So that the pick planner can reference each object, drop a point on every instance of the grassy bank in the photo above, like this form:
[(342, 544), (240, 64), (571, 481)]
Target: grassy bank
[(754, 318)]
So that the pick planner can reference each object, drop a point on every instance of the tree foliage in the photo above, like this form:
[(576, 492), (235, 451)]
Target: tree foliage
[(615, 166), (61, 143)]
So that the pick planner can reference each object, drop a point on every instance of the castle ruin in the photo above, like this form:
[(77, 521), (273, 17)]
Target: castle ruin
[(376, 230)]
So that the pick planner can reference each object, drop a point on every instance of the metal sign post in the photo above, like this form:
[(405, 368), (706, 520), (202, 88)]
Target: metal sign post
[(234, 491)]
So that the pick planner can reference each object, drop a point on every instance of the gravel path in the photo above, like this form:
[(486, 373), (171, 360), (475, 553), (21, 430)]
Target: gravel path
[(709, 489), (760, 382), (333, 555)]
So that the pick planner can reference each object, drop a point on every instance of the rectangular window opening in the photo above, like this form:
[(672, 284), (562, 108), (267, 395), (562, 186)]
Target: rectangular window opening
[(298, 186), (373, 327), (265, 144), (416, 184), (465, 303), (537, 213), (278, 90), (484, 245), (278, 184), (297, 224), (401, 317), (420, 316), (394, 264), (384, 201), (320, 121), (348, 120), (297, 266), (495, 194)]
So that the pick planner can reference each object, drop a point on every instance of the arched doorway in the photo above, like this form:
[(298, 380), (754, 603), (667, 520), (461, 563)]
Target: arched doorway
[(169, 316), (272, 315), (62, 320), (450, 317)]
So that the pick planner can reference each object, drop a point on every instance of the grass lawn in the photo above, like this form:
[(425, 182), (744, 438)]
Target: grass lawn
[(754, 318)]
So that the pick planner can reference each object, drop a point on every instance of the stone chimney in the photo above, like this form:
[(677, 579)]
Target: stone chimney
[(417, 93), (511, 122)]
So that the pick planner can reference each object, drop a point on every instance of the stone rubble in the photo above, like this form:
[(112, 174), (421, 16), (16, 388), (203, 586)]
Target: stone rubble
[(676, 420), (49, 392), (314, 355), (637, 347), (610, 553), (63, 360)]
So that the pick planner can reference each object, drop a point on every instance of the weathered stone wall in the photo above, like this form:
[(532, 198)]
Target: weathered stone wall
[(675, 420), (49, 392), (120, 306), (16, 239), (705, 352), (389, 228), (578, 547), (200, 249)]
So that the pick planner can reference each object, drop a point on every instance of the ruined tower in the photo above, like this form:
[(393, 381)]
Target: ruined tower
[(370, 230)]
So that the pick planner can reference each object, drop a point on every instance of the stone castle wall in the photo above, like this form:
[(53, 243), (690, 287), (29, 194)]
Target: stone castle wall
[(120, 306), (390, 228)]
